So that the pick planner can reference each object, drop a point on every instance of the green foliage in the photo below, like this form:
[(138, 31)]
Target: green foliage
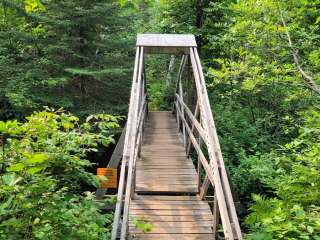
[(295, 212), (70, 54), (143, 224), (266, 115), (43, 166)]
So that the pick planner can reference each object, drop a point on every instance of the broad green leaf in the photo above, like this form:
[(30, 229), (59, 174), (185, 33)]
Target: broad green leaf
[(37, 158), (2, 126), (16, 167), (33, 6), (36, 169)]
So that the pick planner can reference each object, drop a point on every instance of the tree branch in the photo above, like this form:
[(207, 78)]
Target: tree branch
[(308, 79)]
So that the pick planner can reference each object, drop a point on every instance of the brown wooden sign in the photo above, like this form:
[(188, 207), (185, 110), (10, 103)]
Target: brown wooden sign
[(110, 174)]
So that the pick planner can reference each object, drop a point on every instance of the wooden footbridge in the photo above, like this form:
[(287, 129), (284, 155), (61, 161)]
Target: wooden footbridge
[(172, 160)]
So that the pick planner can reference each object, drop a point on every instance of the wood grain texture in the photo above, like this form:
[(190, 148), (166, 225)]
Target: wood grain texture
[(164, 169), (166, 43), (171, 217), (164, 166)]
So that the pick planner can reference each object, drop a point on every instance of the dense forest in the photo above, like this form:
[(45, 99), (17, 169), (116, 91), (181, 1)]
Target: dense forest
[(65, 77)]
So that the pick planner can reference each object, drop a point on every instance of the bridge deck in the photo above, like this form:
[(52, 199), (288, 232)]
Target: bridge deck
[(164, 166), (164, 176)]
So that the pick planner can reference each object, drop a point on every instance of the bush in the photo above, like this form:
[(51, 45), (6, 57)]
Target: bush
[(295, 211), (43, 168)]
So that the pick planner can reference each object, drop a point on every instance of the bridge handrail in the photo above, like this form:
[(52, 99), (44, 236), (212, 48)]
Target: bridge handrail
[(132, 146), (216, 174)]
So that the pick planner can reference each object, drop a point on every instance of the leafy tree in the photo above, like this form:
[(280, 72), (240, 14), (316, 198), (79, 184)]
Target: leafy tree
[(261, 66), (70, 54)]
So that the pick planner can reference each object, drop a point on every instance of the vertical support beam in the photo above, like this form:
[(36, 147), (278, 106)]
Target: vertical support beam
[(170, 71), (132, 154), (179, 91), (222, 187), (183, 114), (196, 115), (125, 158), (178, 85), (204, 188), (199, 160), (224, 176), (216, 216), (206, 117)]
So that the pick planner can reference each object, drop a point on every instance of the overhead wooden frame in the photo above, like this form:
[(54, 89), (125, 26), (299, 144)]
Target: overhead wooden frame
[(166, 43)]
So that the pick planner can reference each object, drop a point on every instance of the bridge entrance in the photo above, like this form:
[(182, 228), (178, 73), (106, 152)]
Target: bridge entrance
[(163, 191)]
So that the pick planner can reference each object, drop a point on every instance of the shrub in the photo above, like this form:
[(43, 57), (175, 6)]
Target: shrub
[(43, 168)]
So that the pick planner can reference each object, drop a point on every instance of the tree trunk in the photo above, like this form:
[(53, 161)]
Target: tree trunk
[(170, 71), (200, 4)]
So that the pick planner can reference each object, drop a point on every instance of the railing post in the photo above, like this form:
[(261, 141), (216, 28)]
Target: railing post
[(222, 187), (206, 118), (196, 114), (132, 148), (179, 91), (216, 216), (126, 157)]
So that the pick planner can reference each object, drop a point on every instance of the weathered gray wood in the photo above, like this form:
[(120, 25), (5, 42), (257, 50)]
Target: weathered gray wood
[(166, 43), (206, 121), (164, 167), (194, 121), (170, 71), (174, 236), (117, 214), (181, 67), (204, 188), (172, 217), (196, 115), (225, 181), (133, 150), (118, 151), (224, 196), (216, 216), (202, 158)]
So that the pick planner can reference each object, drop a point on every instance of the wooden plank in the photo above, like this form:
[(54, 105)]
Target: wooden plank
[(170, 202), (166, 198), (167, 206), (172, 183), (154, 173), (152, 154), (177, 224), (161, 157), (173, 218), (156, 168), (166, 40), (173, 230), (174, 236), (178, 187), (169, 163), (187, 212), (169, 177), (167, 189), (182, 171), (166, 165)]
